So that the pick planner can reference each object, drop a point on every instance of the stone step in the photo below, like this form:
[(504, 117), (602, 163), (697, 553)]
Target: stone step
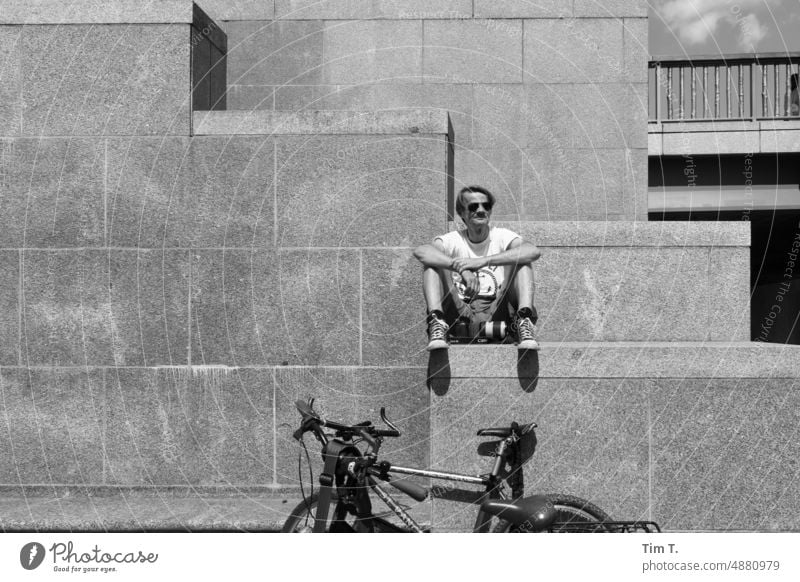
[(621, 360), (676, 432), (156, 510), (100, 509)]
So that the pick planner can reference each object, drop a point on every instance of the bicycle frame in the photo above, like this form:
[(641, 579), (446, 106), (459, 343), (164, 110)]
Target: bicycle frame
[(491, 483)]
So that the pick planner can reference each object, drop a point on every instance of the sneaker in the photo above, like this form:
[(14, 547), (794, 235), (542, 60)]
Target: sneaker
[(437, 333), (526, 334)]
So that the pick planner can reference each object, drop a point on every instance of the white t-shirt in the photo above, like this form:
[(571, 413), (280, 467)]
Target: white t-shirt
[(458, 246)]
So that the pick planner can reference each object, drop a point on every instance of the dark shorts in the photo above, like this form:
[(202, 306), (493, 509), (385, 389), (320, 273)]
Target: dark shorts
[(498, 309)]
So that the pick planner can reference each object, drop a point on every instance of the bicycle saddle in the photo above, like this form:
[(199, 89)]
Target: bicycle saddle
[(505, 432)]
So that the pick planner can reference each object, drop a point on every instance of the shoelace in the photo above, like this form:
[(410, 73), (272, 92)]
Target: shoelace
[(525, 327), (438, 329)]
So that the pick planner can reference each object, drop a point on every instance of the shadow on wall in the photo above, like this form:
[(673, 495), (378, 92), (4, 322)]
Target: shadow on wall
[(439, 373)]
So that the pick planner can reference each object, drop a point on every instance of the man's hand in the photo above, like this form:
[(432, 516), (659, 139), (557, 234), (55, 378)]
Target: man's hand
[(462, 264), (471, 283)]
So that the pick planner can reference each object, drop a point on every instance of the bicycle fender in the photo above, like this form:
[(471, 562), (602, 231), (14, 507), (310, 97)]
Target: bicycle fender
[(535, 513)]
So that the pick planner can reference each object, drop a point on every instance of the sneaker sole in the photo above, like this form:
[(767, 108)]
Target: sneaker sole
[(528, 345), (437, 345)]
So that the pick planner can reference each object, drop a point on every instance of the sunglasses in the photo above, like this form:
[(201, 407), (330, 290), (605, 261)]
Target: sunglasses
[(475, 205)]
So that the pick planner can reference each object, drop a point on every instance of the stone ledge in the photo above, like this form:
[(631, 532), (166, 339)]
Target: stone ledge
[(125, 511), (94, 12), (574, 360), (632, 234), (411, 122)]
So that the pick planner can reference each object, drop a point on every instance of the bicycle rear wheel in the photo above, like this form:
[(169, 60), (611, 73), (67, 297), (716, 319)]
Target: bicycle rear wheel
[(573, 515)]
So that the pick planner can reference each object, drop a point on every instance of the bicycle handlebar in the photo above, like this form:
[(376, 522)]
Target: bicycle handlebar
[(312, 421)]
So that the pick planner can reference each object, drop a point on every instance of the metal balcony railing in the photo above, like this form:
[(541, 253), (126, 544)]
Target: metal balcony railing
[(736, 87)]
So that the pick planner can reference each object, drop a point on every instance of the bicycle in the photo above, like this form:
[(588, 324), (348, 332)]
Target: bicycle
[(350, 474)]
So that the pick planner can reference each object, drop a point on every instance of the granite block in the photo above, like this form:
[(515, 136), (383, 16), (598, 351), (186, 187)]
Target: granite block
[(592, 116), (351, 395), (234, 428), (68, 316), (112, 80), (379, 51), (91, 12), (275, 52), (10, 103), (451, 55), (729, 294), (221, 10), (635, 53), (250, 97), (173, 426), (573, 184), (366, 9), (634, 359), (634, 184), (393, 310), (133, 510), (614, 294), (143, 180), (422, 9), (149, 295), (573, 50), (497, 117), (610, 8), (52, 425), (499, 170), (51, 192), (339, 191), (525, 9), (268, 308), (634, 234), (322, 123), (200, 192), (9, 309), (293, 97), (324, 9), (453, 100), (721, 459), (592, 440)]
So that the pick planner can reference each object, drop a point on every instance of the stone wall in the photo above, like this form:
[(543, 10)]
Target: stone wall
[(530, 87)]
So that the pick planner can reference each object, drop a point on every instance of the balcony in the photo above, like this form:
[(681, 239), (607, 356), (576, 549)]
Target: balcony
[(737, 104)]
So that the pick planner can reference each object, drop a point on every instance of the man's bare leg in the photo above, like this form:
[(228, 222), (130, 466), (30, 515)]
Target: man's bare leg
[(432, 288)]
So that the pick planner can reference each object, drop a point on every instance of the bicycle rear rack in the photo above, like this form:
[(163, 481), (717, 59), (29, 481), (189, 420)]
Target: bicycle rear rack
[(606, 527)]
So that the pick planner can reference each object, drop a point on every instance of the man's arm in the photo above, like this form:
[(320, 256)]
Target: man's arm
[(518, 253), (434, 256)]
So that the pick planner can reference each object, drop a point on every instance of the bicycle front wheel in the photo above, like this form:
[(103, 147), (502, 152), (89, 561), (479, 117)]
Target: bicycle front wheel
[(303, 517), (573, 515)]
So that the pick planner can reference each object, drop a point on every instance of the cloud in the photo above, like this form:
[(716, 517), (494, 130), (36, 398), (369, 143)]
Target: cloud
[(695, 21), (751, 31)]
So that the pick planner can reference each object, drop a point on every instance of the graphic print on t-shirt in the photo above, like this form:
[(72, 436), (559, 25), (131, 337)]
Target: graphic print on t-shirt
[(488, 284)]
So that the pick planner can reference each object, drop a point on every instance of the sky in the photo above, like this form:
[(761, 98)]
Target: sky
[(723, 27)]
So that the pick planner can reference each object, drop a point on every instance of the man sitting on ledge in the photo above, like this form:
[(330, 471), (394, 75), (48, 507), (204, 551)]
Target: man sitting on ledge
[(490, 279)]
